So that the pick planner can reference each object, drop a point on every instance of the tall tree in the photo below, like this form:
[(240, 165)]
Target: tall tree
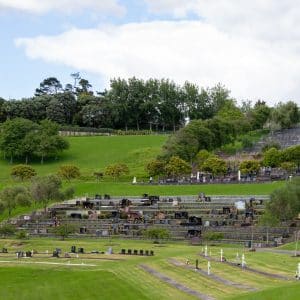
[(11, 197), (50, 86)]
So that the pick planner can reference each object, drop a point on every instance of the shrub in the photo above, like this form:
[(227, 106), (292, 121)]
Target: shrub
[(213, 236), (22, 172)]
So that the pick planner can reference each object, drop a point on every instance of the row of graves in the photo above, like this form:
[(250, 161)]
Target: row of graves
[(233, 175), (185, 217)]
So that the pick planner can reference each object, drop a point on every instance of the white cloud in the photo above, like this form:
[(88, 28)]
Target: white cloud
[(266, 19), (185, 50), (63, 6)]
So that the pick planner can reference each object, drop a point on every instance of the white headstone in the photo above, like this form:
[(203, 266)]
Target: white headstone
[(239, 175), (243, 261), (204, 179), (205, 250), (198, 176), (208, 268), (134, 180), (221, 252)]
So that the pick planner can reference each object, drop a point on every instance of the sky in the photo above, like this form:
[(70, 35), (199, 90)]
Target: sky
[(251, 47)]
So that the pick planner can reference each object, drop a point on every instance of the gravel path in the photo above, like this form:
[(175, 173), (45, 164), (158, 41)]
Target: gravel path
[(175, 284), (214, 277), (271, 275)]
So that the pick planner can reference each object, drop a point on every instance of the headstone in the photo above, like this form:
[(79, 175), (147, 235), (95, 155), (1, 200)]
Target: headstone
[(208, 268), (123, 251), (205, 251), (243, 261), (151, 252), (197, 263), (141, 252), (239, 175), (73, 249), (134, 180), (135, 252), (80, 250), (129, 251), (147, 252), (221, 253)]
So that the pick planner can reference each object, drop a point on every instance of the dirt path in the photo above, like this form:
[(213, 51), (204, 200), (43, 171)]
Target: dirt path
[(271, 275), (214, 277), (175, 284)]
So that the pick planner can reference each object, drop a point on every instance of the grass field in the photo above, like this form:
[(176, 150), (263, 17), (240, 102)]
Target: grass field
[(121, 277), (94, 153)]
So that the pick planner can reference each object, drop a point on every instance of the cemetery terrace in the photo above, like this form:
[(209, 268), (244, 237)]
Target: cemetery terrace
[(230, 218)]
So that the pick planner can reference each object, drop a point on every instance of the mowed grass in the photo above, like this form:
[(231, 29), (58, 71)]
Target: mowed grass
[(121, 277), (128, 189), (94, 153)]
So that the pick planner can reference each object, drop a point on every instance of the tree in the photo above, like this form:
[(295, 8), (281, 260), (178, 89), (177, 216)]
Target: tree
[(292, 154), (288, 166), (177, 167), (46, 189), (49, 143), (7, 229), (64, 230), (272, 158), (269, 220), (259, 114), (250, 167), (23, 172), (155, 167), (11, 197), (69, 172), (284, 202), (50, 86), (116, 170), (13, 133), (201, 157), (157, 233), (286, 114), (215, 166)]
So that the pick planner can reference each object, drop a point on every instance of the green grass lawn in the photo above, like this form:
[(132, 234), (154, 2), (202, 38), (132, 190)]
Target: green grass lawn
[(94, 153), (126, 188), (120, 277)]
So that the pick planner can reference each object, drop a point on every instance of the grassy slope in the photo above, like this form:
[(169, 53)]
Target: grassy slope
[(123, 279), (94, 153)]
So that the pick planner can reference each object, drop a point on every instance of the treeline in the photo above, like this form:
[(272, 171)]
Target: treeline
[(137, 104)]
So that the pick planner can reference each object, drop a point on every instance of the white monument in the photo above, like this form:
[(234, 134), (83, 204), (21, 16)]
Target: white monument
[(208, 268), (134, 180)]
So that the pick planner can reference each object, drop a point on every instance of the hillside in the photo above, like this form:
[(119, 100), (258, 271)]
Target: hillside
[(92, 154)]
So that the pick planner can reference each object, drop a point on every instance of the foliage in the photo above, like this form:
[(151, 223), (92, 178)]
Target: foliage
[(116, 170), (46, 189), (286, 114), (155, 167), (23, 172), (157, 233), (201, 157), (21, 235), (177, 167), (64, 230), (292, 154), (213, 236), (272, 158), (250, 167), (214, 165), (11, 197), (268, 219), (69, 172), (7, 229), (288, 166), (271, 144), (21, 138), (285, 202)]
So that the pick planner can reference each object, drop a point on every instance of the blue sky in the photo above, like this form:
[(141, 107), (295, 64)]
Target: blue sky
[(252, 47)]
